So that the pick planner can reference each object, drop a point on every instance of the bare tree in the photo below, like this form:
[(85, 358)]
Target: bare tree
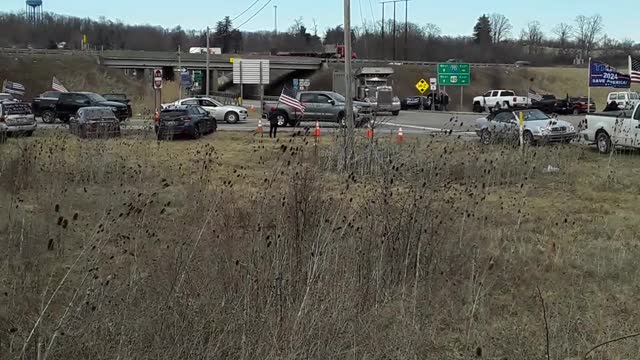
[(532, 36), (627, 45), (431, 31), (500, 27), (588, 29), (564, 32), (314, 21)]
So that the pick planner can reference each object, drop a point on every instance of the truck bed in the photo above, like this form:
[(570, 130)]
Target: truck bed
[(614, 114)]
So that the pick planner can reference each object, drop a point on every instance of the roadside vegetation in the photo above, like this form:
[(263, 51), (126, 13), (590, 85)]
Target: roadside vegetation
[(236, 246)]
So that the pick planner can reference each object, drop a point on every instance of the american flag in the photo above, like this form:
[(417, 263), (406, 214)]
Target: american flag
[(57, 85), (13, 88), (533, 95), (634, 70), (288, 97)]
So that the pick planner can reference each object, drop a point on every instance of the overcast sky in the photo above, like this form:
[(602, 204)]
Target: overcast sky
[(453, 17)]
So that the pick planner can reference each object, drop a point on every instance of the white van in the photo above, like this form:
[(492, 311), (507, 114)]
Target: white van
[(625, 99)]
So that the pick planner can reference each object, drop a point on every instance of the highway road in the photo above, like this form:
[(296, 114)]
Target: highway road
[(411, 122)]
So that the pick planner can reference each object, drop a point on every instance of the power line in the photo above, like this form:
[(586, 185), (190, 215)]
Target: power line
[(245, 10), (254, 15), (373, 16), (361, 17)]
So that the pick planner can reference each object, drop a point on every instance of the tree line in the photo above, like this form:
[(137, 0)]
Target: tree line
[(493, 39)]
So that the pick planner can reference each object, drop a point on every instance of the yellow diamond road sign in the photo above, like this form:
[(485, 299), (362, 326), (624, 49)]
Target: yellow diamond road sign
[(422, 86)]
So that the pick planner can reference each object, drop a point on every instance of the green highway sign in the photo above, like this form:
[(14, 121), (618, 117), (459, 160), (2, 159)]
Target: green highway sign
[(454, 74)]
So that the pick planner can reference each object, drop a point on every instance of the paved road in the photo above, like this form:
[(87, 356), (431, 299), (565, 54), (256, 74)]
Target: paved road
[(411, 122)]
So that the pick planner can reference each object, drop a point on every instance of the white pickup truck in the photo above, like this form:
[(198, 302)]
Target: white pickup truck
[(612, 129), (499, 99)]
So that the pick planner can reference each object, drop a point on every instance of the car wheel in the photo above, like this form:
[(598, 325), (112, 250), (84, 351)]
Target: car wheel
[(485, 137), (506, 105), (48, 117), (604, 143), (395, 113), (576, 111), (231, 118), (196, 132), (529, 139), (281, 119), (477, 108), (341, 119)]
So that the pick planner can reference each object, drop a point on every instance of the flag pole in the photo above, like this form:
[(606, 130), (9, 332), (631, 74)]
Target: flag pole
[(589, 88)]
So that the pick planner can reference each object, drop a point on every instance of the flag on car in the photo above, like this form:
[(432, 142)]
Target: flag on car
[(533, 95), (288, 97), (12, 87), (634, 70), (57, 85)]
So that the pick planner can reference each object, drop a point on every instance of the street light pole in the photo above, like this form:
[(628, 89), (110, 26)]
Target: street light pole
[(275, 18), (406, 29), (207, 75)]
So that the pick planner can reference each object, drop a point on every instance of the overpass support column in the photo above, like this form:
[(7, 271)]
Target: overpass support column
[(214, 80)]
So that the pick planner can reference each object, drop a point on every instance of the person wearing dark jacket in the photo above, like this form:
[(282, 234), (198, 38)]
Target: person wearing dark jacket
[(612, 106), (273, 126)]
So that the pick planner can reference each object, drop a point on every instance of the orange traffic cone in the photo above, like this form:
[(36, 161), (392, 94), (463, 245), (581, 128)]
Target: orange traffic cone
[(316, 133), (259, 130), (252, 108), (370, 132), (400, 136)]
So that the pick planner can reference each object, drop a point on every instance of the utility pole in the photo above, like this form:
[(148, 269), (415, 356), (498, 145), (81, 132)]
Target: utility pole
[(207, 75), (275, 18), (383, 50), (406, 29), (348, 78), (394, 30), (180, 72)]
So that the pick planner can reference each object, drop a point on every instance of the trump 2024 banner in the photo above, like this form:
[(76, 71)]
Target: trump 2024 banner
[(603, 75)]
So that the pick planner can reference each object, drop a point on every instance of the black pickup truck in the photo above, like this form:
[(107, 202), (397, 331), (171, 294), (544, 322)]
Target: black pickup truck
[(64, 105)]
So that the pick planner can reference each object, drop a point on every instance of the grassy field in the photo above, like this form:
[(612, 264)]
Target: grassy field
[(240, 247)]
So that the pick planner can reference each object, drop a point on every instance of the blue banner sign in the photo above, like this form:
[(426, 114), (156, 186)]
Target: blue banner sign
[(603, 75)]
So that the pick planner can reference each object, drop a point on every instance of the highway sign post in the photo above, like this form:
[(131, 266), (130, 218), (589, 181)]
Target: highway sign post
[(433, 83), (157, 85), (455, 74), (157, 79), (422, 86)]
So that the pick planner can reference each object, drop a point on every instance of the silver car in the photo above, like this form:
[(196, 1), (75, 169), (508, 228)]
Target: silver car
[(538, 127), (18, 117)]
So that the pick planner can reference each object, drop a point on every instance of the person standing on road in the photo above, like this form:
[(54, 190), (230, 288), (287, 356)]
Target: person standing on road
[(273, 126), (444, 102)]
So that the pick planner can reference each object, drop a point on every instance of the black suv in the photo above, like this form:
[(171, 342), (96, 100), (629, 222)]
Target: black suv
[(190, 120)]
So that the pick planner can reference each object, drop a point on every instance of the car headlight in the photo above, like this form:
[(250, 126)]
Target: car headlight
[(544, 131), (572, 128)]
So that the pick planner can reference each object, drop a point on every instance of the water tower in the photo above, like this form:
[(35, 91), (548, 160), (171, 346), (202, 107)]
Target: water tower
[(34, 11)]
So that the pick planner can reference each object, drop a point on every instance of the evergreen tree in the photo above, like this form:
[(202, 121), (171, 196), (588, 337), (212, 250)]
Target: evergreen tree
[(482, 31)]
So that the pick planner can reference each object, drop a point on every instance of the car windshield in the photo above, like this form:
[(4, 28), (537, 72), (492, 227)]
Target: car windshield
[(95, 97), (534, 115), (339, 98), (17, 109)]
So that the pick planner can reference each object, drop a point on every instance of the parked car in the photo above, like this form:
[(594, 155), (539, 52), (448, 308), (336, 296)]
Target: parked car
[(538, 127), (612, 129), (625, 99), (121, 98), (67, 104), (416, 103), (229, 113), (94, 122), (578, 105), (322, 106), (17, 117), (191, 120), (499, 99), (6, 96), (549, 104)]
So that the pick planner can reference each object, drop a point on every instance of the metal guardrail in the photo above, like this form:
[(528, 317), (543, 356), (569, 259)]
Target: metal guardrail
[(47, 52), (132, 54), (402, 62)]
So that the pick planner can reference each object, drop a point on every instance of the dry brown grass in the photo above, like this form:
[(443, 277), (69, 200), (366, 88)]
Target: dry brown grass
[(246, 248)]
